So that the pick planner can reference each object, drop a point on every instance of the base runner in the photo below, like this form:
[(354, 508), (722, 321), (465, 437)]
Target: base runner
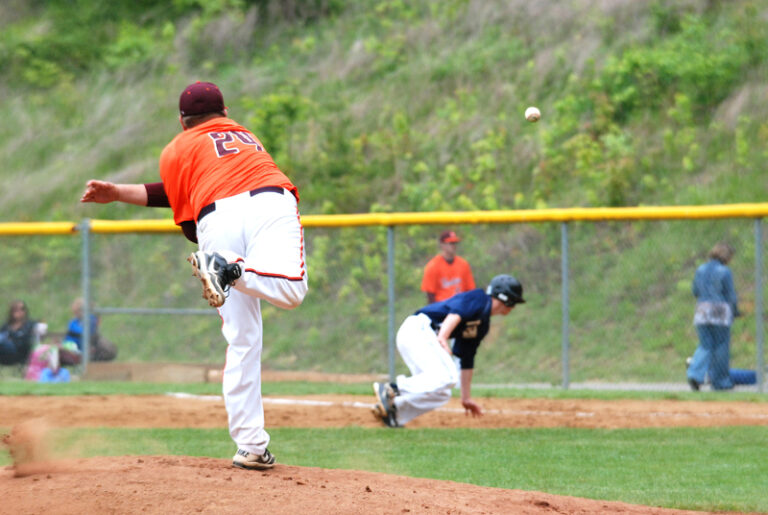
[(228, 196), (423, 343)]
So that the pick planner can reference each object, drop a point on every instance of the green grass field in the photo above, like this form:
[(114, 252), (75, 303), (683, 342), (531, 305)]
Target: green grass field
[(715, 469)]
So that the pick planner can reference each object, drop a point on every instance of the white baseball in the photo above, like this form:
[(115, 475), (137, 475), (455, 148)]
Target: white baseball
[(532, 114)]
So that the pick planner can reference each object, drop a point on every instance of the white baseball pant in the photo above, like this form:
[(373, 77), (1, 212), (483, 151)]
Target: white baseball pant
[(433, 371), (264, 233)]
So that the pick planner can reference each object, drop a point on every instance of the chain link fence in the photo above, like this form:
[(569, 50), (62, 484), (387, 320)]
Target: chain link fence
[(625, 320)]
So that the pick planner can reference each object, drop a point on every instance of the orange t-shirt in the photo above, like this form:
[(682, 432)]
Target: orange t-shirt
[(447, 279), (212, 161)]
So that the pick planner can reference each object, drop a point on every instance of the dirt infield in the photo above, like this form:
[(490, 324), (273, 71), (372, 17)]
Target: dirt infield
[(180, 484), (181, 410)]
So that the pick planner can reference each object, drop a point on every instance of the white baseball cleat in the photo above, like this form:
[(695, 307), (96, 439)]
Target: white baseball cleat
[(385, 404), (216, 275), (248, 460)]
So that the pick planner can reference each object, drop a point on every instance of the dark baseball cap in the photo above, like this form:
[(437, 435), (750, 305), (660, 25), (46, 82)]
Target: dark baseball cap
[(201, 98), (449, 237)]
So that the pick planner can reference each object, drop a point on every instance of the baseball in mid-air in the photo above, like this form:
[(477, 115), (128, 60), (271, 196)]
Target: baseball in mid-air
[(532, 114)]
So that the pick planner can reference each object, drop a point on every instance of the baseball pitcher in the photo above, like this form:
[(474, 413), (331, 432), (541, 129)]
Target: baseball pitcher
[(229, 196)]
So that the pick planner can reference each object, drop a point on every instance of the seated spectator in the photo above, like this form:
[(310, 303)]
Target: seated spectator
[(71, 350), (19, 335), (44, 365)]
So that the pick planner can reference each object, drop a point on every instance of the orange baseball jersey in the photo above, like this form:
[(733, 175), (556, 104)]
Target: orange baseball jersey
[(212, 161), (447, 279)]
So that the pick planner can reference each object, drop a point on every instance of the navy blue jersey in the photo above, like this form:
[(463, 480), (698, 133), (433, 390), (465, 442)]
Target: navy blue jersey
[(474, 308)]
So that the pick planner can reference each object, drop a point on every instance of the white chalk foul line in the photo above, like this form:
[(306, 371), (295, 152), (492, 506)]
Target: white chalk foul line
[(305, 402), (183, 395), (522, 413), (270, 400)]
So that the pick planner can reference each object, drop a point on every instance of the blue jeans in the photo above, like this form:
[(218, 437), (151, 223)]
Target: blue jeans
[(742, 376), (712, 356)]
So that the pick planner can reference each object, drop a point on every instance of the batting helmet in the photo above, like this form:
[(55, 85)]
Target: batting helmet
[(507, 289)]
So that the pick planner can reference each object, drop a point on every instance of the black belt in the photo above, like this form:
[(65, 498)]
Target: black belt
[(210, 208)]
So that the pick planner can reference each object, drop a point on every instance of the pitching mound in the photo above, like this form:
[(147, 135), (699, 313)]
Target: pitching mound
[(169, 485)]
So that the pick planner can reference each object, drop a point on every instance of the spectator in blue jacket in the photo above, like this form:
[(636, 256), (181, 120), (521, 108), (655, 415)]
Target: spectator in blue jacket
[(716, 307)]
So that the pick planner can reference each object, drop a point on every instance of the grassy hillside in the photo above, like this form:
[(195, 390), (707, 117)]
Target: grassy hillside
[(395, 106)]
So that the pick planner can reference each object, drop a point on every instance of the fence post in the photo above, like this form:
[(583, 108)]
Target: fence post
[(391, 297), (759, 304), (85, 232), (566, 306)]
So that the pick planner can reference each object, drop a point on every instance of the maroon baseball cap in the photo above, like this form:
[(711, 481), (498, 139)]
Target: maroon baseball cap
[(201, 98), (449, 237)]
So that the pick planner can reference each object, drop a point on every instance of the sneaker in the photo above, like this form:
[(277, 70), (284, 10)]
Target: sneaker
[(385, 403), (216, 275), (694, 384), (247, 460), (391, 420)]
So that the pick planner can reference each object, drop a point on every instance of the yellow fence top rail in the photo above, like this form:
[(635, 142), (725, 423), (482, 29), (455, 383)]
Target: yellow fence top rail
[(576, 214), (26, 228), (541, 215)]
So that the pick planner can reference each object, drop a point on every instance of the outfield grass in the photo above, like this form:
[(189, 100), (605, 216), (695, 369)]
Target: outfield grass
[(689, 468)]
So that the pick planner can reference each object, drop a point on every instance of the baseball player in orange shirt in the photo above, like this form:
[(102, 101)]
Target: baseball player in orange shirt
[(447, 273), (228, 196)]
